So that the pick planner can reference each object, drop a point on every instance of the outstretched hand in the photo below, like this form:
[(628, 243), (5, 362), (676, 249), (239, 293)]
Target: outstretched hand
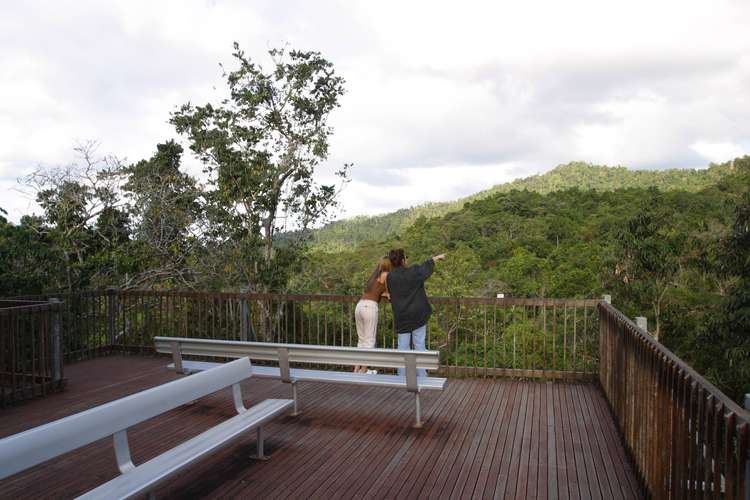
[(439, 257)]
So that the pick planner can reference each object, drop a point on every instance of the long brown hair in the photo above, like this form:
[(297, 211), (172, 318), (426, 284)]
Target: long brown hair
[(383, 266)]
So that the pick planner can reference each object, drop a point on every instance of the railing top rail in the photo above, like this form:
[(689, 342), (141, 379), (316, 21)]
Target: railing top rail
[(354, 298), (42, 297), (671, 357), (19, 307), (18, 303)]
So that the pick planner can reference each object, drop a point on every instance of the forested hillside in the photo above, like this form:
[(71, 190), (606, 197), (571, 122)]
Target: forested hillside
[(584, 176), (674, 256)]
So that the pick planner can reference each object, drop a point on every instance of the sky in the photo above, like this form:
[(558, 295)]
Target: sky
[(443, 98)]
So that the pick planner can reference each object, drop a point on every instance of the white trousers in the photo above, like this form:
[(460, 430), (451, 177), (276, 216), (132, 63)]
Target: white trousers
[(366, 317)]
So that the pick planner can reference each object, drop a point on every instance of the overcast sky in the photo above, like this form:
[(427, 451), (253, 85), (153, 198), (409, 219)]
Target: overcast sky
[(443, 99)]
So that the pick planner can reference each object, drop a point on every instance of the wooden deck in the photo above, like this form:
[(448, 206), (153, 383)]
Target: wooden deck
[(481, 438)]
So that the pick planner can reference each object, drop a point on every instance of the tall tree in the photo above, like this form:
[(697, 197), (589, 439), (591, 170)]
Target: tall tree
[(262, 145), (28, 262), (72, 198), (727, 336), (166, 211), (648, 257)]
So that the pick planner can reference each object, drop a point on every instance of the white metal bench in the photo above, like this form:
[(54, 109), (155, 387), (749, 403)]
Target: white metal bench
[(37, 445), (285, 354)]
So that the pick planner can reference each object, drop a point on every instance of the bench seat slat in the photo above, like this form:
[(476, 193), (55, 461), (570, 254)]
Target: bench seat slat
[(146, 476), (302, 374)]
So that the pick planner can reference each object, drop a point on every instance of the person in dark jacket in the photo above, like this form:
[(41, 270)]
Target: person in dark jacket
[(411, 309)]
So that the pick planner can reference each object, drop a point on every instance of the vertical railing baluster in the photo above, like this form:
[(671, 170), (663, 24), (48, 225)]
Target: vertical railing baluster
[(343, 313), (460, 326), (494, 339), (352, 324), (729, 445), (555, 354), (743, 461), (565, 337), (317, 323), (484, 337), (472, 322), (575, 343)]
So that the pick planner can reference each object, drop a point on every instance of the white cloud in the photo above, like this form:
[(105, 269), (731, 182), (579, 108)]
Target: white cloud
[(462, 88), (416, 186), (718, 151)]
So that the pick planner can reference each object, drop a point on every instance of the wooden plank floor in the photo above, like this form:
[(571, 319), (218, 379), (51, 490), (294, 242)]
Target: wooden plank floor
[(481, 439)]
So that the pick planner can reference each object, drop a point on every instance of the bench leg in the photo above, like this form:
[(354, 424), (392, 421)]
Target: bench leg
[(295, 410), (418, 423), (259, 445)]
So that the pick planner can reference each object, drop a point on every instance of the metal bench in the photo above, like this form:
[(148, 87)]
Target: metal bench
[(285, 354), (37, 445)]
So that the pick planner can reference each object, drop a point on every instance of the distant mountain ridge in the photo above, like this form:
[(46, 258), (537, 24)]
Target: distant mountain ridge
[(584, 176)]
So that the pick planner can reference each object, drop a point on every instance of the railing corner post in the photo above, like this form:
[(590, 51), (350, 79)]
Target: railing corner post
[(111, 315), (747, 463), (56, 325), (244, 315)]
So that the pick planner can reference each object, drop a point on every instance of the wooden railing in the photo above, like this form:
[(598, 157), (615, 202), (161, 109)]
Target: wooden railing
[(30, 362), (687, 439), (86, 321), (476, 336), (484, 337)]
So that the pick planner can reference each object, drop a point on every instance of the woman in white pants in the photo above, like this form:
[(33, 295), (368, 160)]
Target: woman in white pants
[(366, 312)]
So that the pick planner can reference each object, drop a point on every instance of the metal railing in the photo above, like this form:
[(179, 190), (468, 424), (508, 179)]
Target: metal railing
[(85, 319), (476, 336), (687, 439), (30, 362), (480, 337)]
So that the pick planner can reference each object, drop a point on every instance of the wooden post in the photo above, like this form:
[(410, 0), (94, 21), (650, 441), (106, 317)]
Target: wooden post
[(55, 326), (747, 463), (244, 315), (111, 315)]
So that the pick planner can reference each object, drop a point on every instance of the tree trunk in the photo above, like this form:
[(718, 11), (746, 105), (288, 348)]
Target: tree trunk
[(265, 323), (68, 271)]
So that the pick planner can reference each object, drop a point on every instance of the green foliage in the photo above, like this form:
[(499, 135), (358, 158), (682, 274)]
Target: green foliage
[(166, 211), (72, 199), (575, 175), (649, 253), (723, 347), (261, 146), (28, 261), (660, 253)]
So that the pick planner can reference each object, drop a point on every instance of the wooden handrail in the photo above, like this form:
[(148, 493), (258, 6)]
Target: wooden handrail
[(685, 436), (679, 363)]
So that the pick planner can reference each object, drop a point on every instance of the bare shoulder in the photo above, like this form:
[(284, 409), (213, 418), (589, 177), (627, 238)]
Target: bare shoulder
[(383, 277)]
